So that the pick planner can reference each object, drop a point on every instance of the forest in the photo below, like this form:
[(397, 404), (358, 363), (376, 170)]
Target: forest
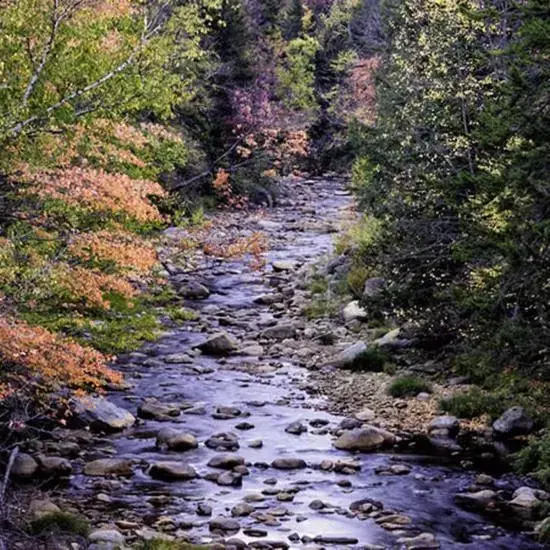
[(344, 200)]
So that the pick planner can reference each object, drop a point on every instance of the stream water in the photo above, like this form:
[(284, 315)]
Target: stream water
[(266, 392)]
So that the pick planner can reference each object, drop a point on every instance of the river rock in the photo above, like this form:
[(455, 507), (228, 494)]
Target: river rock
[(153, 409), (514, 421), (353, 311), (219, 344), (365, 415), (365, 439), (242, 509), (226, 461), (224, 524), (100, 414), (424, 541), (24, 466), (479, 500), (296, 428), (347, 356), (327, 539), (445, 425), (229, 479), (204, 509), (284, 265), (223, 441), (526, 500), (108, 467), (42, 507), (172, 471), (173, 440), (54, 465), (288, 463), (280, 332), (194, 291)]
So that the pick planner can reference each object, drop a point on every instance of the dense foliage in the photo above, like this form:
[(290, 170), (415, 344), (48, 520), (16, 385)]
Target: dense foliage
[(454, 179)]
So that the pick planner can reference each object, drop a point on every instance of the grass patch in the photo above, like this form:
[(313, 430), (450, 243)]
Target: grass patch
[(182, 314), (474, 403), (356, 277), (372, 359), (60, 522), (406, 386), (318, 285), (321, 307)]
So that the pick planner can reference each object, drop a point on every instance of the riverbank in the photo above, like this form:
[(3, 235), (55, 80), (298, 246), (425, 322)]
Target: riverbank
[(222, 434)]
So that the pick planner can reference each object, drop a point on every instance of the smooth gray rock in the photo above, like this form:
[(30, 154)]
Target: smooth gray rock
[(365, 439), (219, 344), (172, 471), (24, 466), (155, 410), (288, 463), (100, 414), (280, 332), (108, 467), (173, 440), (515, 421), (353, 311)]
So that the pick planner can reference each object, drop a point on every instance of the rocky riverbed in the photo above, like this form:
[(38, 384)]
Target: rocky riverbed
[(239, 430)]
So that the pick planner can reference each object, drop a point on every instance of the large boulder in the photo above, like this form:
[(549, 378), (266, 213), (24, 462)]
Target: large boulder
[(444, 426), (24, 466), (365, 439), (526, 501), (100, 414), (353, 311), (479, 500), (194, 291), (515, 421), (348, 356), (219, 344)]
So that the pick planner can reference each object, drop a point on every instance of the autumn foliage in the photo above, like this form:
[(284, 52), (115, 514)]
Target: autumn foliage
[(40, 362)]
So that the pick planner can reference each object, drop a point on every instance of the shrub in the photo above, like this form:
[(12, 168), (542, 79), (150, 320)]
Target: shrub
[(534, 459), (474, 403), (60, 522), (405, 386), (182, 314), (373, 359)]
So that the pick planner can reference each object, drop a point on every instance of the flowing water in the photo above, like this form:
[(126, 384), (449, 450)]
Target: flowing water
[(269, 399)]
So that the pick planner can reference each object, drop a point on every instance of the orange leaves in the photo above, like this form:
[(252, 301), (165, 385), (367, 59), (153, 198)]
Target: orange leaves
[(97, 190), (224, 190), (49, 361), (127, 250), (363, 91), (255, 245), (88, 286)]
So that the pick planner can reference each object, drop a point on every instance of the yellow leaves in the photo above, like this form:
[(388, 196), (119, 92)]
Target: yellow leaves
[(482, 278)]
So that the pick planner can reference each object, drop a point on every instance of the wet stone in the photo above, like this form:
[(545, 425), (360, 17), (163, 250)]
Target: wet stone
[(204, 509), (243, 426), (172, 471), (108, 467), (288, 463), (241, 510), (296, 428), (224, 524), (223, 441), (226, 461), (155, 410), (173, 440)]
